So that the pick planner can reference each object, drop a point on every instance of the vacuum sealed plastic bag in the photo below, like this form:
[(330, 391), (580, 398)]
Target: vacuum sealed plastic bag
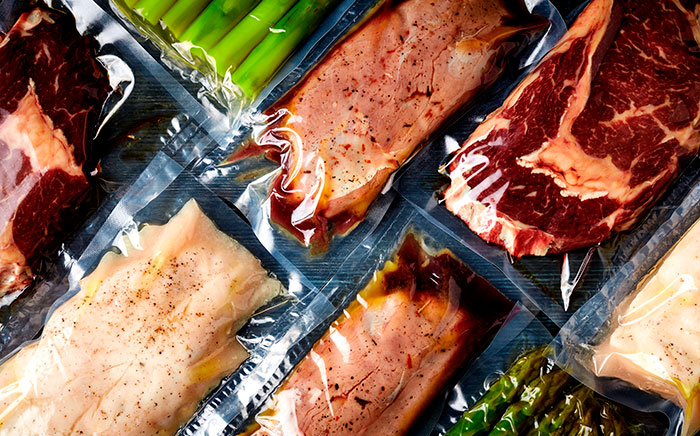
[(248, 40), (577, 192), (155, 88), (334, 141), (638, 333), (234, 50), (53, 89), (59, 89), (113, 137), (149, 332), (409, 314), (514, 388), (136, 343), (391, 351), (533, 177)]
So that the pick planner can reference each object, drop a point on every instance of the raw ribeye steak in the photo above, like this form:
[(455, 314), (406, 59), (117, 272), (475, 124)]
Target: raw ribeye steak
[(52, 89), (591, 137)]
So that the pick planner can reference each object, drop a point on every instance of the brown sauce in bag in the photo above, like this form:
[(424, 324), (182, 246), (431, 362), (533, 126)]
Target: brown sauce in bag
[(391, 352)]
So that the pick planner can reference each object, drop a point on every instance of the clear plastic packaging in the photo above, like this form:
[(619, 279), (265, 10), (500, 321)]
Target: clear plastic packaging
[(146, 110), (409, 250), (391, 351), (158, 309), (327, 166), (148, 187), (49, 114), (158, 88), (635, 341), (57, 91), (236, 53), (515, 388), (581, 268)]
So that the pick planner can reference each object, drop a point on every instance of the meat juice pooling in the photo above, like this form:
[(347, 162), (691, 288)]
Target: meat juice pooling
[(52, 89), (589, 139), (361, 113), (390, 354)]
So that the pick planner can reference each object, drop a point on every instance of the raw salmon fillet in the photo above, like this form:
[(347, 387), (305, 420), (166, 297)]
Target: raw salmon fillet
[(146, 337), (655, 340), (391, 353), (52, 89), (360, 114), (592, 137)]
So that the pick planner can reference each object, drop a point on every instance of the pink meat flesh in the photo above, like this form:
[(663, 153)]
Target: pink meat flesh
[(378, 96)]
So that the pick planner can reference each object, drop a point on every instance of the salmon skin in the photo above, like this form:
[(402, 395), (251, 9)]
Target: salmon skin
[(392, 351), (376, 97), (52, 89), (150, 332), (591, 137)]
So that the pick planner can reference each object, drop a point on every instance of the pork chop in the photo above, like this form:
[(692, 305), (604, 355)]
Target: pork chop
[(361, 113)]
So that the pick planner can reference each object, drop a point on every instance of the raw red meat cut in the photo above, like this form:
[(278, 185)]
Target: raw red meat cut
[(52, 89), (591, 138)]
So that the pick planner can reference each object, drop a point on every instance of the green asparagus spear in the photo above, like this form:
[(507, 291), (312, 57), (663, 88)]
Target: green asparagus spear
[(130, 3), (608, 422), (620, 426), (216, 21), (585, 425), (267, 58), (182, 13), (491, 406), (539, 395), (242, 39), (554, 422), (153, 10)]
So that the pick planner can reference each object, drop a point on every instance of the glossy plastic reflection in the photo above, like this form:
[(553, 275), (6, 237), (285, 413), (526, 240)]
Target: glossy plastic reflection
[(515, 388), (237, 51), (486, 169), (150, 332), (638, 334), (542, 147), (653, 344), (361, 113), (393, 349), (156, 318), (53, 89)]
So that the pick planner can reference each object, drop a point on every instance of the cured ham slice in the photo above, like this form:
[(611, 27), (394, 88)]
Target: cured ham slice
[(592, 137), (377, 96), (52, 89), (655, 342), (391, 352), (150, 332)]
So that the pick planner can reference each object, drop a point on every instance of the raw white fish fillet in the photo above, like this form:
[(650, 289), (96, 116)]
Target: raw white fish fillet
[(147, 336)]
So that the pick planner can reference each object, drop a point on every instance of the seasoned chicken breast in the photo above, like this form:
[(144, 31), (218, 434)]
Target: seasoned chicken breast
[(655, 343), (150, 332)]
